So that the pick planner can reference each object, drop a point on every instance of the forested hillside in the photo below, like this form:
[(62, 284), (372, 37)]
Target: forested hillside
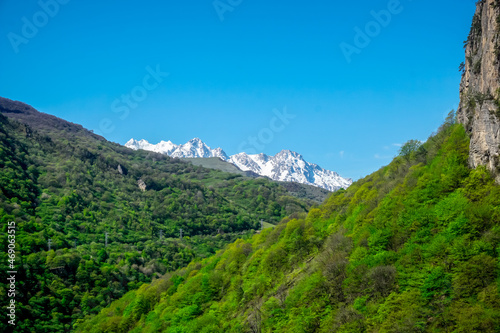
[(413, 247), (65, 186)]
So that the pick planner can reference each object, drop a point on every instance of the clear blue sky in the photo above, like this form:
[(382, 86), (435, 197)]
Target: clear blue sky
[(227, 76)]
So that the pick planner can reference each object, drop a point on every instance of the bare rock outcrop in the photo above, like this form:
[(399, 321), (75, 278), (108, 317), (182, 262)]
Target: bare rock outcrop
[(142, 185), (479, 109)]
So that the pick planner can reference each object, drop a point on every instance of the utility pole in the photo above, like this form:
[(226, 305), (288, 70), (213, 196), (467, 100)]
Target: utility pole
[(106, 241), (50, 242), (180, 231)]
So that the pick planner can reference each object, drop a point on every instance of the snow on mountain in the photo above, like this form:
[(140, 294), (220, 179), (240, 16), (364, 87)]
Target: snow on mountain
[(163, 147), (247, 163), (285, 166), (290, 166), (194, 148)]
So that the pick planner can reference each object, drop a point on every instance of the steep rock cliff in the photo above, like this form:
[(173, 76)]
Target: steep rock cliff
[(479, 109)]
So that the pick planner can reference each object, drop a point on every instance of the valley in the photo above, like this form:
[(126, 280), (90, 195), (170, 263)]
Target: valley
[(95, 220), (101, 237)]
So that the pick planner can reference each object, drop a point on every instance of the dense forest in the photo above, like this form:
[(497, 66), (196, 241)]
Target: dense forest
[(104, 239), (111, 216), (413, 247)]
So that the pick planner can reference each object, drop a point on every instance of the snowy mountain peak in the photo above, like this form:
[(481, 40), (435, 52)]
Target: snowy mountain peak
[(164, 147), (289, 153), (196, 141), (286, 166), (221, 154), (194, 148), (132, 144)]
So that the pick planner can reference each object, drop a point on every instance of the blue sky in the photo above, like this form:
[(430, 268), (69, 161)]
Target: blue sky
[(232, 65)]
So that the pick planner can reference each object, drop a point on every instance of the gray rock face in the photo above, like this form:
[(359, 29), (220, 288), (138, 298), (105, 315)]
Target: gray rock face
[(142, 185), (479, 108)]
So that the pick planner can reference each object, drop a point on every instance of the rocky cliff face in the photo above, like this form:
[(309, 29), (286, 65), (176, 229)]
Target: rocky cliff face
[(479, 109)]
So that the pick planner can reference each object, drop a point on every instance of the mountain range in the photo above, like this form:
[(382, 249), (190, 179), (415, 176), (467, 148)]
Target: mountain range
[(285, 166), (90, 213), (103, 238), (413, 247)]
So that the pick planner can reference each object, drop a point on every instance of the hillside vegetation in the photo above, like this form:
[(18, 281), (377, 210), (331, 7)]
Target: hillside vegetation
[(413, 247), (61, 183)]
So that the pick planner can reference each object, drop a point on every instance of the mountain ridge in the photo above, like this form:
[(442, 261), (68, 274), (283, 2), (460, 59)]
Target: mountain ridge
[(412, 247), (286, 166), (95, 219)]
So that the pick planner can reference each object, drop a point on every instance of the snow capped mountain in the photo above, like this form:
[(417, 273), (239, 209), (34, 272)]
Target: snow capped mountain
[(194, 148), (163, 147), (289, 166), (285, 166)]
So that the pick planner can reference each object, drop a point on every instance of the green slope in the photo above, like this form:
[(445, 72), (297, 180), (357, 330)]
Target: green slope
[(309, 193), (411, 248), (63, 183), (218, 164)]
